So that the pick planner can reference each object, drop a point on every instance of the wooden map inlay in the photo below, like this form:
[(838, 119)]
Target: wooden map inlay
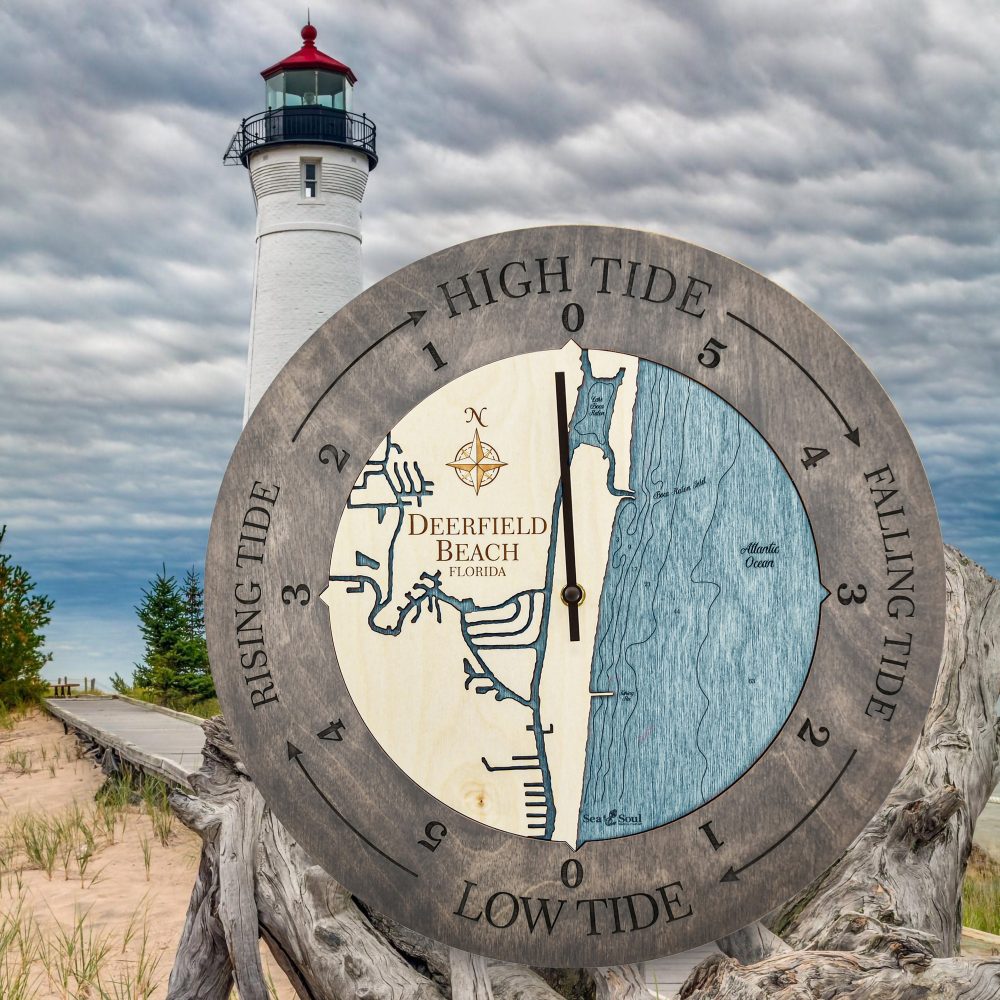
[(693, 546), (574, 596)]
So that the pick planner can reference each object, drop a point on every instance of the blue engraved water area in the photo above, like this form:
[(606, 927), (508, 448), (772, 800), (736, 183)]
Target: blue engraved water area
[(707, 617)]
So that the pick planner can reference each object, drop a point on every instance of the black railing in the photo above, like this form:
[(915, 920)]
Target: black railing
[(323, 125)]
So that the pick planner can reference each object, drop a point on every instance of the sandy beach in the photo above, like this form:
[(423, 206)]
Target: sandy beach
[(100, 921)]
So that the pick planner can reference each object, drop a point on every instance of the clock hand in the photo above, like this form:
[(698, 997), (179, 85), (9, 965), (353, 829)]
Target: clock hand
[(572, 593)]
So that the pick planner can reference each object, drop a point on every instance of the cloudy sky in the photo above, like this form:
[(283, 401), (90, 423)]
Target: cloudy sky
[(848, 150)]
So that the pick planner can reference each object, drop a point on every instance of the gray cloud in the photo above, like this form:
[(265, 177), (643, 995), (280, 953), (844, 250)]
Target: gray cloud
[(847, 150)]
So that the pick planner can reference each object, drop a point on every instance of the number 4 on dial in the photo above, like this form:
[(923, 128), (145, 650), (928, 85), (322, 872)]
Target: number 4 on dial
[(813, 457)]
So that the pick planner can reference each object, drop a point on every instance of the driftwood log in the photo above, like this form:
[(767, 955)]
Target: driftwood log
[(883, 922)]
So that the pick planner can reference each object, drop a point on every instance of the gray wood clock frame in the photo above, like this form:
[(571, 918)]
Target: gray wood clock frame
[(704, 874)]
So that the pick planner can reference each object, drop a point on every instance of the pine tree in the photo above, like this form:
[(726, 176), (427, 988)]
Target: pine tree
[(23, 614), (161, 621), (171, 620), (194, 603)]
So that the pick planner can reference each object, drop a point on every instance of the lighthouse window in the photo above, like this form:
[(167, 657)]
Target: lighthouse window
[(300, 88), (276, 92), (330, 90), (310, 178), (308, 88)]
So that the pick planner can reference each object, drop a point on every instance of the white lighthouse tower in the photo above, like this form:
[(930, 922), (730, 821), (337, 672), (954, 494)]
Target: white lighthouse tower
[(308, 156)]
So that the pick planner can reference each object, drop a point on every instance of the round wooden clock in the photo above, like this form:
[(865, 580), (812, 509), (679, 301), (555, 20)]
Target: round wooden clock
[(575, 595)]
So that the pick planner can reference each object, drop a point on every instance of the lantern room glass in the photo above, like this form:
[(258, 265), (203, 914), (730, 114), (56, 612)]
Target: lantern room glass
[(300, 88)]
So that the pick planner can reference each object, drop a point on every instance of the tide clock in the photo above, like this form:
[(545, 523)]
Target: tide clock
[(575, 595)]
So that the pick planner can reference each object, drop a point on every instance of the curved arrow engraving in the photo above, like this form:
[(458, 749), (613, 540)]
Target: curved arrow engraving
[(853, 433), (294, 753), (415, 316), (733, 874)]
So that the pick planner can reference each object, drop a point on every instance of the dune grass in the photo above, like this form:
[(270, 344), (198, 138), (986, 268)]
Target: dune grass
[(75, 960), (19, 761), (79, 959), (60, 937), (981, 893), (69, 840), (12, 713)]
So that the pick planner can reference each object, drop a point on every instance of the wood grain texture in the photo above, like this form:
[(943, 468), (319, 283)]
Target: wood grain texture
[(752, 944), (619, 982), (812, 975)]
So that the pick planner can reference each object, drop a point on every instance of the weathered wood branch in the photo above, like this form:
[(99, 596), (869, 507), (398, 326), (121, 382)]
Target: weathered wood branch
[(812, 975), (619, 982), (752, 944), (884, 921), (470, 977)]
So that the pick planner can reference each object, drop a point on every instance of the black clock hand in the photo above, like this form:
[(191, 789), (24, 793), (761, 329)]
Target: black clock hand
[(572, 594)]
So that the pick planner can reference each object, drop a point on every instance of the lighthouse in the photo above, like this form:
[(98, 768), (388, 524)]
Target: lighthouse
[(308, 156)]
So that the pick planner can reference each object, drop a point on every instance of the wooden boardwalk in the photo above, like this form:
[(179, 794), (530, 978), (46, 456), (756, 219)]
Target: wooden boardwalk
[(155, 739)]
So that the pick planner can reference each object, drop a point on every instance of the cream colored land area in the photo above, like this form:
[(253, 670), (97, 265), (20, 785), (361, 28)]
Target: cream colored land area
[(102, 921), (424, 673), (412, 696)]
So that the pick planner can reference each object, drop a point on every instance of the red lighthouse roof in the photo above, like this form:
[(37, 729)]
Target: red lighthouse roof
[(309, 57)]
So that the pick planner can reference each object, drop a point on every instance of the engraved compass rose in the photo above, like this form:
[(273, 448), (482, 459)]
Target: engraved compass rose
[(477, 464)]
